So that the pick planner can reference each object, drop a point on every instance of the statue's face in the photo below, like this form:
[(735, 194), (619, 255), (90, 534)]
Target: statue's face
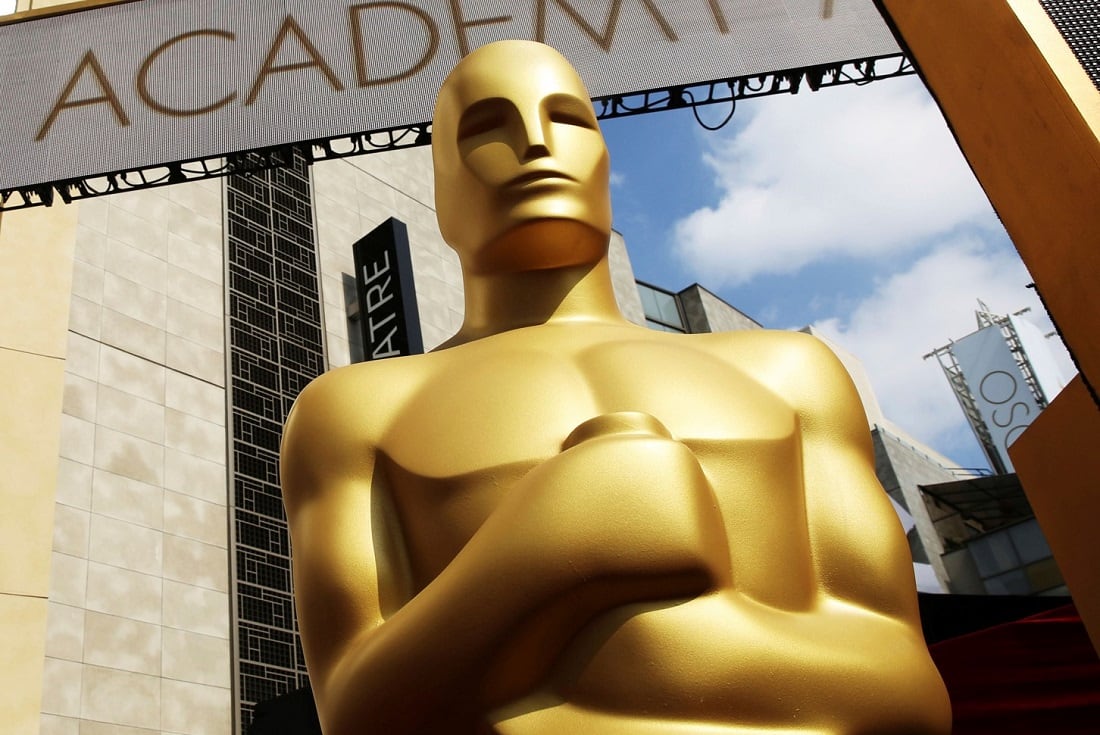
[(520, 161)]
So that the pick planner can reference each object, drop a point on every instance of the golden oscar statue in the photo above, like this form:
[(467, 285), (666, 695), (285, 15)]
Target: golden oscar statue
[(562, 523)]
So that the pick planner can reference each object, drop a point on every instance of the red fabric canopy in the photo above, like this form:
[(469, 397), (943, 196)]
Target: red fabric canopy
[(1034, 676)]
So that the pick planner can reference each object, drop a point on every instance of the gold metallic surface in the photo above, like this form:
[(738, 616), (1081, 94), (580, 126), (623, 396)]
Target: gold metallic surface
[(1057, 463), (36, 246), (561, 522)]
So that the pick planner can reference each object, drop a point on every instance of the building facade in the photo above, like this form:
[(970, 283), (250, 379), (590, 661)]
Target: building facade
[(195, 314)]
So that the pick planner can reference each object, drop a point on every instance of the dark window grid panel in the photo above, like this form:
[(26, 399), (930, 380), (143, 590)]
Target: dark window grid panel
[(263, 614), (244, 283), (254, 212), (279, 673), (251, 461), (254, 264), (262, 683), (253, 534), (251, 311), (291, 250), (299, 363), (292, 229), (255, 369), (250, 234), (251, 258), (253, 634), (291, 205), (299, 331), (263, 533), (293, 180), (257, 572), (303, 306), (253, 341), (255, 209), (268, 613), (290, 184), (268, 533), (300, 279), (258, 431), (288, 404), (258, 401), (271, 559), (258, 497), (309, 362), (253, 187), (303, 680), (295, 382), (260, 536), (275, 653)]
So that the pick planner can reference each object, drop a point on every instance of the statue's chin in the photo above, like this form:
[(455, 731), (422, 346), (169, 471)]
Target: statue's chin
[(543, 244)]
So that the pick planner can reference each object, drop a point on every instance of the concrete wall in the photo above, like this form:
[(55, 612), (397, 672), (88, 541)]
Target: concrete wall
[(137, 635), (901, 468), (705, 312)]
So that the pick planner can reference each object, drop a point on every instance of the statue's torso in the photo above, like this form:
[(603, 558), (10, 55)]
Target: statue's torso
[(481, 421), (482, 415)]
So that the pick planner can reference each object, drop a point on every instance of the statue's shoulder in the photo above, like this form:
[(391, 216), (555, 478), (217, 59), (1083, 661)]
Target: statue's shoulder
[(798, 366), (360, 399)]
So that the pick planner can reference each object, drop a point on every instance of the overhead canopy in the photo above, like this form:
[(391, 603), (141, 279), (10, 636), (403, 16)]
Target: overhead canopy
[(126, 86)]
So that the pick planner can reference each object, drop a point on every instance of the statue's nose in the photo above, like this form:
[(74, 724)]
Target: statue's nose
[(535, 143)]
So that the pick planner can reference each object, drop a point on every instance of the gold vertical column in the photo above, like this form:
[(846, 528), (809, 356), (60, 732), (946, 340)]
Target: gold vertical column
[(36, 263), (1027, 117)]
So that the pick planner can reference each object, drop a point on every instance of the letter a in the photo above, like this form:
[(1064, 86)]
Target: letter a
[(63, 103), (269, 67)]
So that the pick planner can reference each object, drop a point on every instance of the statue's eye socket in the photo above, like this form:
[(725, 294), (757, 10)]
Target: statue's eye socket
[(480, 119), (568, 117)]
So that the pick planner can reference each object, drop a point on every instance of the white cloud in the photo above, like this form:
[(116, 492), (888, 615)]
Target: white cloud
[(866, 171), (618, 179), (913, 312)]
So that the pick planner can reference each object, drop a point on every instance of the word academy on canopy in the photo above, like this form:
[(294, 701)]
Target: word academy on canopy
[(163, 81)]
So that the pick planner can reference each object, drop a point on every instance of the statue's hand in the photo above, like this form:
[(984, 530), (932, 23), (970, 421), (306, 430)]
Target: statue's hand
[(625, 506)]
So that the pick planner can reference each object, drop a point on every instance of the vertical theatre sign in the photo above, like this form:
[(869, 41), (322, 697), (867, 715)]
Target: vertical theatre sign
[(388, 318)]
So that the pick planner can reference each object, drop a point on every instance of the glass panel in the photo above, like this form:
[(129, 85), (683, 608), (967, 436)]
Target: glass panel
[(649, 301), (660, 309), (994, 554), (1029, 541), (669, 313), (1043, 575), (1012, 583)]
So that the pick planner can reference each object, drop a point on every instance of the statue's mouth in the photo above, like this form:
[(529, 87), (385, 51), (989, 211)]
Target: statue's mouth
[(530, 177)]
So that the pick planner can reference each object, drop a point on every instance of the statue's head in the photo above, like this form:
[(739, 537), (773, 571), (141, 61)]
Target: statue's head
[(521, 168)]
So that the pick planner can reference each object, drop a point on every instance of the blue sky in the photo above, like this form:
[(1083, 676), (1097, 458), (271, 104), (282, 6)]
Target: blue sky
[(850, 209)]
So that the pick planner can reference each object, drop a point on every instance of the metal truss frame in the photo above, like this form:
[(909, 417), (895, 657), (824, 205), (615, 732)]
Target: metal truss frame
[(724, 91)]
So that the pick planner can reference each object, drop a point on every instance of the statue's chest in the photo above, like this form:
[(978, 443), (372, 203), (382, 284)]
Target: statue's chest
[(513, 408), (475, 429)]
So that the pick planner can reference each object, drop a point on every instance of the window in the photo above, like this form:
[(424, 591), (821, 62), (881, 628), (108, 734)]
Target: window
[(662, 309)]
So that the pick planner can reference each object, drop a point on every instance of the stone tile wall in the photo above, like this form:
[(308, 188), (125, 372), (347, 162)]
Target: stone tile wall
[(355, 195), (138, 613)]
